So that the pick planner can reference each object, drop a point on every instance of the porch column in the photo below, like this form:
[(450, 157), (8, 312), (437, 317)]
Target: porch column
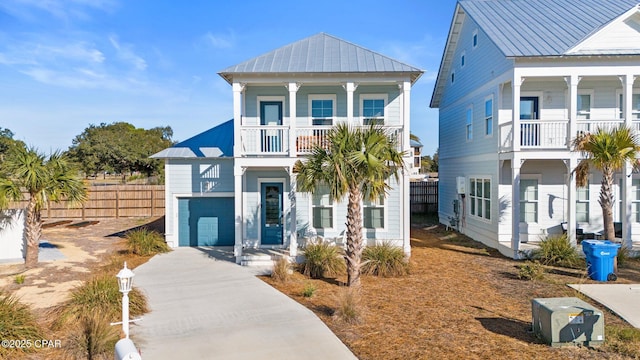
[(627, 181), (293, 237), (350, 87), (515, 205), (238, 215), (238, 88), (293, 90), (572, 194), (408, 161), (572, 86), (517, 82)]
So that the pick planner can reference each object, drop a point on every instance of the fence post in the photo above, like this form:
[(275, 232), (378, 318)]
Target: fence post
[(153, 200), (117, 202)]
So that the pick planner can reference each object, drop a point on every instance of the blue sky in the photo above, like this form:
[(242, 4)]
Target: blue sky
[(66, 64)]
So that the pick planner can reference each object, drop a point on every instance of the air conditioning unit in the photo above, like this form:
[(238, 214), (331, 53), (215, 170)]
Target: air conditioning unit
[(461, 185), (567, 321)]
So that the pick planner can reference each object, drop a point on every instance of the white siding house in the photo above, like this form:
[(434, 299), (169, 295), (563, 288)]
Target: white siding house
[(234, 184), (571, 67)]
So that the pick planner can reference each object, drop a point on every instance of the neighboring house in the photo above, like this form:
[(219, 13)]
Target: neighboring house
[(416, 151), (12, 243), (571, 66), (234, 185)]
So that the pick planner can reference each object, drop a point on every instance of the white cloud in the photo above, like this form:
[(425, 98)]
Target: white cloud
[(125, 52), (66, 10), (219, 41)]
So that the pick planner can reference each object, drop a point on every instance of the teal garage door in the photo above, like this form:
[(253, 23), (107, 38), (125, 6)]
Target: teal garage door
[(206, 222)]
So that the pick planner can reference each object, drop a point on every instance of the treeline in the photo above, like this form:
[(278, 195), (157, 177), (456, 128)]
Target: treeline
[(117, 148)]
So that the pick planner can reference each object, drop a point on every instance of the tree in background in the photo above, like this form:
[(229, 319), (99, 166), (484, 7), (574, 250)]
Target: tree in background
[(429, 163), (44, 178), (7, 142), (120, 148)]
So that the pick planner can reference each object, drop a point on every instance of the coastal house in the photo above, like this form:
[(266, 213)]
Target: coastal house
[(518, 81), (234, 185)]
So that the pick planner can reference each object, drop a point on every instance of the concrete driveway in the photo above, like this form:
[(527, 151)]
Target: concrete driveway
[(204, 306)]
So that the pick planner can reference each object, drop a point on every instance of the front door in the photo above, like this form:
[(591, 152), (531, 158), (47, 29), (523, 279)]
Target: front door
[(529, 132), (271, 115), (271, 199)]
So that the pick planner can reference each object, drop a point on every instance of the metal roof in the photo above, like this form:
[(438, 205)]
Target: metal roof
[(542, 27), (414, 143), (321, 53), (213, 143)]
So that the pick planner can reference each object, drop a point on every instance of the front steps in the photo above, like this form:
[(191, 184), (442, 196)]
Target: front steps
[(261, 259)]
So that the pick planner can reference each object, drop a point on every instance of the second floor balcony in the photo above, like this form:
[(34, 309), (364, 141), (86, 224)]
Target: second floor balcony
[(553, 134)]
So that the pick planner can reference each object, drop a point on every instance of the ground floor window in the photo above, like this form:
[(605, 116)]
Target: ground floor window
[(529, 200), (373, 213), (480, 197), (582, 204), (635, 200), (322, 209)]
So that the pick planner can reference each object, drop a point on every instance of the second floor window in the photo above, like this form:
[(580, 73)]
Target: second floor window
[(488, 117), (322, 112), (469, 127), (584, 106), (635, 106), (373, 111)]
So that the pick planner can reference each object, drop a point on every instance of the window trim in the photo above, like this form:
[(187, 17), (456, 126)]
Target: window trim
[(487, 99), (468, 129), (333, 210), (285, 114), (384, 97), (620, 110), (483, 198), (588, 201), (537, 177), (313, 97), (589, 92), (385, 212)]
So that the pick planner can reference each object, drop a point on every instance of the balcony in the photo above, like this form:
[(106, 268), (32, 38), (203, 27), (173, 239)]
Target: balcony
[(268, 140), (549, 135)]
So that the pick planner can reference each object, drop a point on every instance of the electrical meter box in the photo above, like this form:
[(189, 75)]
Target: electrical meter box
[(461, 183), (567, 321)]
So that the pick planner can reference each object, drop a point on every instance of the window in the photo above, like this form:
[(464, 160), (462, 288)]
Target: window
[(322, 109), (529, 200), (635, 200), (480, 198), (373, 110), (462, 59), (529, 108), (488, 117), (474, 39), (635, 106), (453, 77), (322, 209), (582, 204), (469, 126), (373, 213), (584, 106)]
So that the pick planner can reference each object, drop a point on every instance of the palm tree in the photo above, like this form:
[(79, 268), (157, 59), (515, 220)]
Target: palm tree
[(43, 179), (355, 163), (607, 151)]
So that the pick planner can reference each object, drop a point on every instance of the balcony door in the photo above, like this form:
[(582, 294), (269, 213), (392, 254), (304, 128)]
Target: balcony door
[(271, 115), (529, 131)]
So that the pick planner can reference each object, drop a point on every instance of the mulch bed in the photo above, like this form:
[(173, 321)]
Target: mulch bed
[(461, 300)]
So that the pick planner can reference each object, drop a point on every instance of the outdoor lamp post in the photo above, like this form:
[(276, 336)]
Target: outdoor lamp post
[(125, 280)]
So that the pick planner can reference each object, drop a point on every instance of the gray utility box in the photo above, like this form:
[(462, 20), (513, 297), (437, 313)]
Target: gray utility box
[(567, 321)]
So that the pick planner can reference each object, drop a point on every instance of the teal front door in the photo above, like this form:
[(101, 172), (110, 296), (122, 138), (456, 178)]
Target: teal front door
[(271, 199)]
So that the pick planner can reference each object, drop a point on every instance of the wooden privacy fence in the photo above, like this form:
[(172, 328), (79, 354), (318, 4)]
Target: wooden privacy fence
[(424, 197), (111, 201)]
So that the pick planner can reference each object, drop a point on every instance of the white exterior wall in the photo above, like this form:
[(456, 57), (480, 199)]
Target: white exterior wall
[(12, 244)]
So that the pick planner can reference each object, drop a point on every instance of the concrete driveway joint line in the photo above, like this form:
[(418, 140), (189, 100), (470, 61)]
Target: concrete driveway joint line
[(206, 308)]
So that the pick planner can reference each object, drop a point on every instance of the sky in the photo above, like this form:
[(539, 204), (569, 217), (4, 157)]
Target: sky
[(67, 64)]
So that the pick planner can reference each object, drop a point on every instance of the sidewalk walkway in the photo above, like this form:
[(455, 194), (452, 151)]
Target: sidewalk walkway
[(622, 299), (208, 308)]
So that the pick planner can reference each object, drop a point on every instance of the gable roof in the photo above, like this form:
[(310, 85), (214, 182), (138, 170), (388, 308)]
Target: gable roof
[(213, 143), (320, 53), (542, 27)]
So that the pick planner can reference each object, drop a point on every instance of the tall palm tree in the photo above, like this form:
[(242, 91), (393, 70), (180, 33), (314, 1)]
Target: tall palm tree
[(355, 163), (43, 179), (607, 151)]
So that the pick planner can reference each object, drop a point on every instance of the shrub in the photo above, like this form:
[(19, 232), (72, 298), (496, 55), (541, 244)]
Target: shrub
[(556, 250), (92, 337), (624, 255), (16, 322), (530, 270), (145, 242), (348, 307), (19, 279), (281, 270), (99, 293), (323, 259), (309, 290), (384, 260)]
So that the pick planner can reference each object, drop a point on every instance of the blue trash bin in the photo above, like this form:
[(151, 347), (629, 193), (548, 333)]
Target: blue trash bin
[(600, 255)]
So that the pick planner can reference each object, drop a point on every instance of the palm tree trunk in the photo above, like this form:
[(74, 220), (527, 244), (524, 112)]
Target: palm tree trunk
[(33, 230), (354, 237), (606, 202)]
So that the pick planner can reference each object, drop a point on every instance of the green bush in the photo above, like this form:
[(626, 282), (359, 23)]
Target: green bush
[(92, 337), (624, 255), (100, 293), (556, 250), (348, 307), (281, 270), (309, 290), (19, 279), (322, 259), (145, 242), (530, 270), (384, 260), (17, 322)]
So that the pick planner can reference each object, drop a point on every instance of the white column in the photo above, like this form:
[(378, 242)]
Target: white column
[(238, 88), (350, 87), (293, 90), (408, 161), (627, 181), (515, 206), (572, 194), (572, 86), (517, 82), (238, 215), (293, 228)]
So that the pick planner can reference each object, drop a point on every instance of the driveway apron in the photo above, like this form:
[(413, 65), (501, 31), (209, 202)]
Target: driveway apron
[(203, 307)]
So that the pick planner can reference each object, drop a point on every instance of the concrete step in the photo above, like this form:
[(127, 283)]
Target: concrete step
[(257, 263)]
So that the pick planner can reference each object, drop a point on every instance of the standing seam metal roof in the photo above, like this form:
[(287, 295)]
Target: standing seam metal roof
[(321, 53)]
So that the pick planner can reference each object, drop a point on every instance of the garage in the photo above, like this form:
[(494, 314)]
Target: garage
[(206, 221)]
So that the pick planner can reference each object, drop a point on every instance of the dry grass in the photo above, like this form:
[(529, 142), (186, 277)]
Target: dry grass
[(461, 301)]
